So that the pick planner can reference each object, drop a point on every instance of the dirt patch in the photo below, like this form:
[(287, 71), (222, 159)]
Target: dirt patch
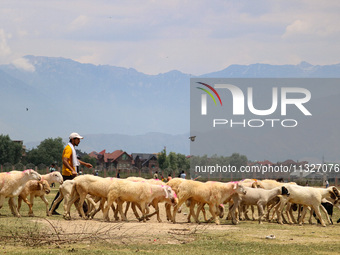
[(132, 231)]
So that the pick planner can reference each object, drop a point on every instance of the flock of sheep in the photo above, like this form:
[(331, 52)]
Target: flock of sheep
[(272, 198)]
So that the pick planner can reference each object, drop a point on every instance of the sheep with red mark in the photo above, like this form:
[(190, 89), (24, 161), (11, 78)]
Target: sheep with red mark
[(84, 185), (141, 193), (212, 193), (11, 185)]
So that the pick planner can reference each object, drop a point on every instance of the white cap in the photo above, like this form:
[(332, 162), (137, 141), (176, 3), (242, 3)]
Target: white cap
[(75, 135)]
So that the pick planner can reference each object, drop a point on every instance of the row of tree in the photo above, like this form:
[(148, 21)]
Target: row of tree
[(48, 152)]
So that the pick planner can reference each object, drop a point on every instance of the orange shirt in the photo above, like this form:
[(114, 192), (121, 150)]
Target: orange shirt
[(67, 153)]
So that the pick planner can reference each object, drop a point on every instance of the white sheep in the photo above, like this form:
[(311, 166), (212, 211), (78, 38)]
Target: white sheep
[(34, 189), (11, 185), (155, 202), (141, 193), (65, 193), (258, 197), (84, 185), (53, 177), (307, 196), (212, 193)]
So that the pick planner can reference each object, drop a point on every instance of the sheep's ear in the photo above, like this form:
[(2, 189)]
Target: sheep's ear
[(166, 192), (39, 186), (235, 186)]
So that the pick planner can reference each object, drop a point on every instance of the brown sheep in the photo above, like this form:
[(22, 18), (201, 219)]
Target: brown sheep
[(34, 189)]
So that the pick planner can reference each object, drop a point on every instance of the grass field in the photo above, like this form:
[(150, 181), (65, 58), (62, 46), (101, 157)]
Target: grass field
[(54, 235)]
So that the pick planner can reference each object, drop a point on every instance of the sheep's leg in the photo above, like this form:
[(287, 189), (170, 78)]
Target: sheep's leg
[(14, 207), (229, 217), (2, 200), (275, 211), (204, 213), (234, 209), (289, 214), (155, 205), (133, 206), (245, 209), (212, 210), (110, 199), (19, 203), (260, 211), (96, 210), (269, 208), (127, 207), (43, 198), (80, 205), (252, 212), (280, 214), (326, 213), (67, 214), (200, 207), (303, 214), (116, 213), (180, 202), (120, 209), (241, 215), (143, 207), (192, 211), (317, 211), (310, 216), (168, 211), (30, 205)]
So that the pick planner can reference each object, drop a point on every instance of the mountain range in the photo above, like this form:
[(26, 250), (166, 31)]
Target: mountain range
[(115, 107)]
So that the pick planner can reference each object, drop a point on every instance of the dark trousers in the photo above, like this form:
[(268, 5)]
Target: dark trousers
[(71, 177)]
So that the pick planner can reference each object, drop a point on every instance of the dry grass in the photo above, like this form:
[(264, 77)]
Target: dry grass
[(53, 235)]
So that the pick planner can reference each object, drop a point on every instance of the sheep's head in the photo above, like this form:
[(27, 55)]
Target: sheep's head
[(284, 191), (57, 177), (43, 185), (239, 189), (170, 194), (334, 193), (46, 187)]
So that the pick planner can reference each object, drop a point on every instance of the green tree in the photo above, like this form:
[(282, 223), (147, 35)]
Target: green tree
[(183, 162), (10, 151), (48, 151), (238, 160), (163, 160), (173, 164)]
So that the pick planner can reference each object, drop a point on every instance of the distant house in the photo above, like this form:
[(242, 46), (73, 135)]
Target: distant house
[(144, 160), (117, 160)]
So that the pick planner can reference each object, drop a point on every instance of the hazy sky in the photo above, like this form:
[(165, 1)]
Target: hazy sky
[(195, 37)]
